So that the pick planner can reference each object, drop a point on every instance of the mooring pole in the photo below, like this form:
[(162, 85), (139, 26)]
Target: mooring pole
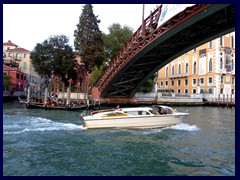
[(28, 95)]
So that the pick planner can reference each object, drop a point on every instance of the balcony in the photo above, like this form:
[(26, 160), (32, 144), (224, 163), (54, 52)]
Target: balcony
[(184, 75)]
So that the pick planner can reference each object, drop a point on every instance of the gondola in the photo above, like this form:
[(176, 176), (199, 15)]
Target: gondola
[(32, 105), (58, 107)]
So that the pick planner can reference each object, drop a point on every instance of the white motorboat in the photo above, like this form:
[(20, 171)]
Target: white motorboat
[(138, 117)]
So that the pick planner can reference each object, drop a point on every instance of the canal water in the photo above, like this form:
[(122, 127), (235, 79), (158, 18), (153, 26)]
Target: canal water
[(40, 142)]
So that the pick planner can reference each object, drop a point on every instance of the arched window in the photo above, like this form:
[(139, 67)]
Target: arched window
[(179, 69), (186, 68), (25, 66), (221, 80), (195, 68), (232, 42), (210, 65), (221, 41), (167, 72), (172, 70)]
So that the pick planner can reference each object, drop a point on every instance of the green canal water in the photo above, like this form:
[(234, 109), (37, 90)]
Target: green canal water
[(40, 142)]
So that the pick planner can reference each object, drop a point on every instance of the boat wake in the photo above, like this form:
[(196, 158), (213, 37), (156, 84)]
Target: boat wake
[(33, 124), (183, 127)]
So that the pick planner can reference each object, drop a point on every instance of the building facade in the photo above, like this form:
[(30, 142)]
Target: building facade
[(15, 56), (207, 69), (19, 79)]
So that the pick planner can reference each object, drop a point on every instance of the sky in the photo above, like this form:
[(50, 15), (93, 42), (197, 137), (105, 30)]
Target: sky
[(28, 24)]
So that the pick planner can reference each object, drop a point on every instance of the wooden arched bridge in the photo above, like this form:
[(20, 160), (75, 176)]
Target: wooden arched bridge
[(153, 46)]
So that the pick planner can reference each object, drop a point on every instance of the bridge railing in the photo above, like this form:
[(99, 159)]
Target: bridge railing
[(142, 38)]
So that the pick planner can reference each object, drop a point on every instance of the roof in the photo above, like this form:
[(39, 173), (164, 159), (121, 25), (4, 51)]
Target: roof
[(18, 50), (9, 43)]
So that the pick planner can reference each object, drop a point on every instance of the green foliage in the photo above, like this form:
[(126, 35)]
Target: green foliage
[(89, 39), (6, 81), (116, 39), (96, 73), (147, 86), (55, 57)]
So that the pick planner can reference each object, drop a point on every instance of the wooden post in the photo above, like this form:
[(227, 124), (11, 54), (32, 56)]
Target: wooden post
[(28, 95), (45, 96)]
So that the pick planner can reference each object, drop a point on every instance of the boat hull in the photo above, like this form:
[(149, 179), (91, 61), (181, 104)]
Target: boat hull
[(136, 122)]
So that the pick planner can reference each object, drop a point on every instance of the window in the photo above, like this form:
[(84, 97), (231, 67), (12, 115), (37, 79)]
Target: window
[(210, 44), (194, 81), (166, 83), (221, 91), (221, 41), (186, 91), (167, 72), (17, 56), (172, 82), (25, 55), (221, 63), (233, 91), (221, 80), (17, 76), (186, 68), (232, 42), (202, 80), (210, 80), (179, 82), (233, 80), (210, 65), (179, 91), (21, 77), (194, 67), (186, 82), (161, 83), (172, 70), (25, 66), (232, 65), (179, 69), (194, 91), (201, 91)]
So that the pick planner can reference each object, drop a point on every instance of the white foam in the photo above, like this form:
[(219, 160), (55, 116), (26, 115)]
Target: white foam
[(183, 127), (41, 124)]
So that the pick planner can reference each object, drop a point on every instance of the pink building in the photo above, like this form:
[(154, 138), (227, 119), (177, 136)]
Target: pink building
[(19, 79)]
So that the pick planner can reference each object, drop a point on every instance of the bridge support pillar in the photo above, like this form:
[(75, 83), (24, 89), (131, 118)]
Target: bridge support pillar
[(95, 93)]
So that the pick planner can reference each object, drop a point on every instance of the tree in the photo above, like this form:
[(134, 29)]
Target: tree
[(6, 81), (89, 39), (113, 43), (54, 57), (116, 39)]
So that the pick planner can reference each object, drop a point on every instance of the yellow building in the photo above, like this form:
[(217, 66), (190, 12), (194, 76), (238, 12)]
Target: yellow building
[(19, 57), (207, 69)]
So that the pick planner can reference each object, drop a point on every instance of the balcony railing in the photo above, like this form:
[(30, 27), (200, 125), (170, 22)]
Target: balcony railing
[(179, 75)]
